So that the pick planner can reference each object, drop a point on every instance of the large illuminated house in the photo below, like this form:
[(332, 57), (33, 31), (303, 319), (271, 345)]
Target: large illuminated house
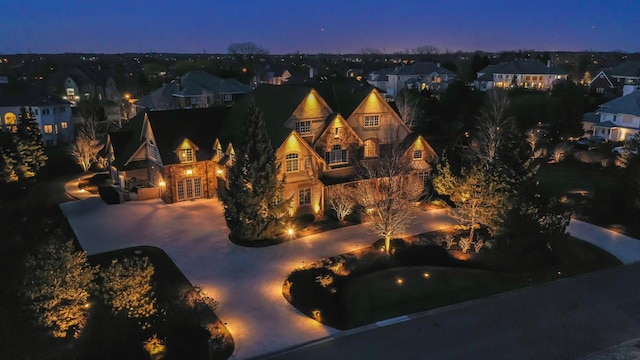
[(615, 120), (52, 113), (76, 83), (320, 134), (529, 73)]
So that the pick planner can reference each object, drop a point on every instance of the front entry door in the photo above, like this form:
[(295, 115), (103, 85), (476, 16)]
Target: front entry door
[(189, 189)]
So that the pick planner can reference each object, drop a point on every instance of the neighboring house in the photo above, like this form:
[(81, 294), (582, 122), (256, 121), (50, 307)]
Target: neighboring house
[(619, 80), (76, 83), (319, 134), (616, 120), (273, 75), (195, 89), (531, 74), (172, 154), (419, 75), (52, 113)]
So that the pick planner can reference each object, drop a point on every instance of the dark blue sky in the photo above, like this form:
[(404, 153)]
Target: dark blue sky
[(331, 26)]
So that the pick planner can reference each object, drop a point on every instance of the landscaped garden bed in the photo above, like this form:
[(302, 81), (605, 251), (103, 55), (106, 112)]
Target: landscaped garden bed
[(187, 328), (365, 286)]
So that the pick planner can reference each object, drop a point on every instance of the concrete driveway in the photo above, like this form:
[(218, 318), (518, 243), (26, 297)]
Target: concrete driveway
[(247, 282)]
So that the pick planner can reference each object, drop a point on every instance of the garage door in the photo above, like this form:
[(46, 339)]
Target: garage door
[(189, 189)]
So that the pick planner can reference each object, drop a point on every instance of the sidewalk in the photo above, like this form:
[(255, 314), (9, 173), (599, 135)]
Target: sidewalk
[(71, 188), (625, 248)]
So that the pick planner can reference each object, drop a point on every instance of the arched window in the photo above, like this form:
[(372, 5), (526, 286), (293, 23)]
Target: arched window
[(370, 148), (291, 163)]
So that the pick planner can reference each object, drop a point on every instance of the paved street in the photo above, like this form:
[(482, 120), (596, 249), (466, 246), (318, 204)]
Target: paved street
[(247, 282)]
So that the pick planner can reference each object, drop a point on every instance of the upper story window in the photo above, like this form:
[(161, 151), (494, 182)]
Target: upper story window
[(48, 129), (303, 127), (219, 152), (337, 155), (372, 121), (370, 148), (291, 163), (186, 155), (417, 154), (64, 125)]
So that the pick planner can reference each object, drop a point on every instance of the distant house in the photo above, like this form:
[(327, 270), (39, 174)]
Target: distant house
[(52, 113), (320, 135), (195, 89), (273, 75), (419, 75), (76, 83), (616, 120), (531, 74), (619, 80)]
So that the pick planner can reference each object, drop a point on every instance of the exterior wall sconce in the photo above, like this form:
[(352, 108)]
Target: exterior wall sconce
[(189, 172)]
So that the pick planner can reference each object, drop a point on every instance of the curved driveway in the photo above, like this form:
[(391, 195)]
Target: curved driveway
[(247, 282)]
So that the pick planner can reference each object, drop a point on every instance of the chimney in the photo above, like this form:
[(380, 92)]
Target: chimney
[(548, 63), (313, 72), (438, 64)]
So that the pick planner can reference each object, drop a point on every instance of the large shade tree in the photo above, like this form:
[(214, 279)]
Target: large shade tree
[(253, 198), (57, 287), (388, 191)]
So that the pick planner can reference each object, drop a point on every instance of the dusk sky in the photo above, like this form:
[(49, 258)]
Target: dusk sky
[(329, 26)]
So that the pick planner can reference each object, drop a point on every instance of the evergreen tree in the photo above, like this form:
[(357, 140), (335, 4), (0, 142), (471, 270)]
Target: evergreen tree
[(253, 203), (8, 158), (29, 145)]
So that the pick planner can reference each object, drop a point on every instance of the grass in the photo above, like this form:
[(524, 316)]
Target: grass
[(375, 287), (570, 176)]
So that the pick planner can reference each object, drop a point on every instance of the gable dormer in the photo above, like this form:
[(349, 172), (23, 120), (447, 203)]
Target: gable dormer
[(374, 118), (308, 118), (231, 154), (218, 152), (186, 151)]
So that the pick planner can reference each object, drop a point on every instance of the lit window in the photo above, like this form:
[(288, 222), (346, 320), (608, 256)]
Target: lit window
[(10, 119), (303, 127), (372, 120), (370, 148), (64, 124), (304, 196), (337, 155), (48, 129), (291, 163), (417, 154), (186, 155)]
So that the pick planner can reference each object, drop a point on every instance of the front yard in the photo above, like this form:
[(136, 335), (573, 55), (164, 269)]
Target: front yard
[(359, 288)]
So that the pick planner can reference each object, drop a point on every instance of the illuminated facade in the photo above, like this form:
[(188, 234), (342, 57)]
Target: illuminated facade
[(616, 120), (530, 74), (185, 154)]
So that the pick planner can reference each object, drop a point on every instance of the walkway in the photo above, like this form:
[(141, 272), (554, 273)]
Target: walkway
[(247, 282), (71, 188), (625, 248)]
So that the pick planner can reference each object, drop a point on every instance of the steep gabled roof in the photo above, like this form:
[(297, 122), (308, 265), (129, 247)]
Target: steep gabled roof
[(160, 99), (170, 128), (195, 83), (626, 69), (344, 96), (422, 68), (628, 104), (200, 126), (276, 103)]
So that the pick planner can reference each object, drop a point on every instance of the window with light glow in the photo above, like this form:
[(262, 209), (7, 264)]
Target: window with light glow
[(370, 148), (64, 124), (304, 196), (372, 120), (48, 129), (303, 127), (291, 163), (186, 155)]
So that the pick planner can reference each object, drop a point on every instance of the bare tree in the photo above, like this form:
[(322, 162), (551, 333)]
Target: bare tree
[(408, 103), (246, 49), (532, 138), (387, 191), (426, 50), (341, 200), (86, 147), (493, 126)]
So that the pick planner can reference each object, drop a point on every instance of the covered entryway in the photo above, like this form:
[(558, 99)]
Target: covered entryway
[(190, 188)]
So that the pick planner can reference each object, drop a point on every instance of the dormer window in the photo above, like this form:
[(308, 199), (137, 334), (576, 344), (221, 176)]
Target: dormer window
[(186, 155), (417, 154)]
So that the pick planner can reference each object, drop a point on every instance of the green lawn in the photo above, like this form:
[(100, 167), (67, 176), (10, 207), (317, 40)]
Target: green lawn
[(571, 176), (382, 289)]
